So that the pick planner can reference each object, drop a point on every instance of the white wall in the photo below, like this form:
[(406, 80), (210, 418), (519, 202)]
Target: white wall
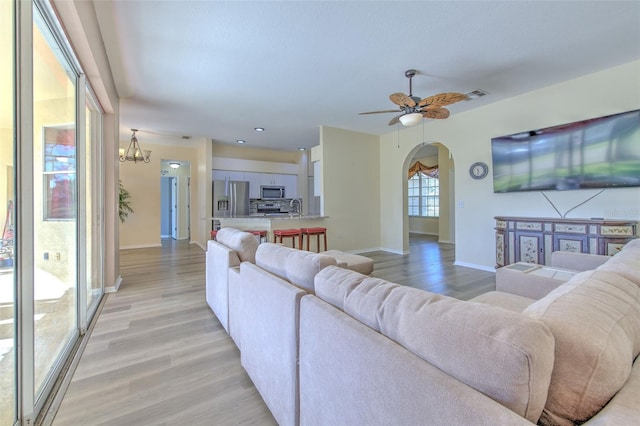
[(81, 26), (142, 228), (468, 136), (350, 166)]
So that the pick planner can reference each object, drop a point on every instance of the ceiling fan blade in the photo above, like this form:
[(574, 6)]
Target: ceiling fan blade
[(438, 113), (395, 120), (379, 112), (442, 99), (402, 100)]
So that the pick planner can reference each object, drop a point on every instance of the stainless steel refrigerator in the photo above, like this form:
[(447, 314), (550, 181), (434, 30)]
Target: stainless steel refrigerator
[(230, 198)]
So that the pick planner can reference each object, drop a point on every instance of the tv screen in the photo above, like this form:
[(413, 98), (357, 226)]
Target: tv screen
[(601, 152)]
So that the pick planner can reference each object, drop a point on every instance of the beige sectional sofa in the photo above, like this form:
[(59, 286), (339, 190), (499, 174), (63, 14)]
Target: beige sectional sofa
[(325, 345), (268, 310), (373, 352), (222, 265)]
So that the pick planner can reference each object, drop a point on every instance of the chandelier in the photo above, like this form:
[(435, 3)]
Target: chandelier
[(134, 152)]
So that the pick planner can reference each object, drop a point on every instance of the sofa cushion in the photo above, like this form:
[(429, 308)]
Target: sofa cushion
[(299, 267), (595, 320), (355, 262), (244, 243), (511, 302), (302, 267), (626, 262), (623, 408), (273, 258), (505, 355)]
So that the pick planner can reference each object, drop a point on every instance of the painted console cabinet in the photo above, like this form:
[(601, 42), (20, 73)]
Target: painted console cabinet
[(532, 240)]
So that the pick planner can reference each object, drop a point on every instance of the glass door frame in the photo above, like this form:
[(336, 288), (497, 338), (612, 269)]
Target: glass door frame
[(28, 404)]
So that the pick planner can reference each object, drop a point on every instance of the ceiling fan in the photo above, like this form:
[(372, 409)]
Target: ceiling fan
[(413, 108)]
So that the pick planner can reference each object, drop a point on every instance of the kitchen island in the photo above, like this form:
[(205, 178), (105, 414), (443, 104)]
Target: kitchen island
[(270, 223)]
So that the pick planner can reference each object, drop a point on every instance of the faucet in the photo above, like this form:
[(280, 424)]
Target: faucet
[(295, 206)]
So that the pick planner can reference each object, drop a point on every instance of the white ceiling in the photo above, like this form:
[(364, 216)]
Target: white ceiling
[(217, 69)]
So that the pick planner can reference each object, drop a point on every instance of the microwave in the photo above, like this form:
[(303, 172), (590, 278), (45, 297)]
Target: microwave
[(271, 192)]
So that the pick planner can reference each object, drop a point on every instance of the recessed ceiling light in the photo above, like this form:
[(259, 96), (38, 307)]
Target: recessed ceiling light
[(240, 141), (259, 129)]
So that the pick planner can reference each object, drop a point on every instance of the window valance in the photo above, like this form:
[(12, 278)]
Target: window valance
[(419, 167)]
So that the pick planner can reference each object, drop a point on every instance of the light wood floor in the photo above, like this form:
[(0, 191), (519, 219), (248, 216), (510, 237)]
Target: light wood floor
[(158, 355)]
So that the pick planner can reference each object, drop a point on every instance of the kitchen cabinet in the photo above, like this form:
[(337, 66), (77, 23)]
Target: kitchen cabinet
[(227, 174), (272, 179), (532, 240), (290, 183), (255, 180)]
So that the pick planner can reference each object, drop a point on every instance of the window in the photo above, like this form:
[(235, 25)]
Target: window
[(59, 172), (424, 195)]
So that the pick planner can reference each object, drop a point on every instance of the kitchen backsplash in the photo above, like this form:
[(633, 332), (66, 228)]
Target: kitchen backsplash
[(258, 206)]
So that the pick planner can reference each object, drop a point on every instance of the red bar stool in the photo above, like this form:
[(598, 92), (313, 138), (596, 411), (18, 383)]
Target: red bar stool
[(317, 232), (261, 234), (213, 234), (288, 233)]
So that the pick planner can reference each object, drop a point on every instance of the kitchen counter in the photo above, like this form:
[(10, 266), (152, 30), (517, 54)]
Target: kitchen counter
[(270, 223), (277, 216)]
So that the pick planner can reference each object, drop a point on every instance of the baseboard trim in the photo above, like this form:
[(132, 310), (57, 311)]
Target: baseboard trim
[(114, 288), (402, 252), (140, 246), (474, 266), (199, 244)]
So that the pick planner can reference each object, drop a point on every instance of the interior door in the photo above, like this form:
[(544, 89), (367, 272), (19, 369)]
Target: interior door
[(174, 208)]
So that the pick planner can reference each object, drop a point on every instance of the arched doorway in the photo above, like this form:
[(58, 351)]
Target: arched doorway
[(443, 225)]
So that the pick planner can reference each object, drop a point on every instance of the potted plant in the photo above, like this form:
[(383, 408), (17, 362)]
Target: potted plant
[(124, 203)]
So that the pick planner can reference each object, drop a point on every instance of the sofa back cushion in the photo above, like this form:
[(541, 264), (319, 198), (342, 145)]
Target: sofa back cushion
[(303, 266), (273, 258), (626, 262), (242, 242), (595, 320), (503, 354), (296, 266)]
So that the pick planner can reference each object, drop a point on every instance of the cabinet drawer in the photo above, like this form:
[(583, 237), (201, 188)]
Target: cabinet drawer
[(571, 228), (529, 226)]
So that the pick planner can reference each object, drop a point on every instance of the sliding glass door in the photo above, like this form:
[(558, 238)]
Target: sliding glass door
[(55, 204), (8, 370), (51, 206)]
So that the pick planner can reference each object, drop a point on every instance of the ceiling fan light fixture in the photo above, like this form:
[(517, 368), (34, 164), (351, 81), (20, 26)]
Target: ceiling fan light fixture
[(411, 119)]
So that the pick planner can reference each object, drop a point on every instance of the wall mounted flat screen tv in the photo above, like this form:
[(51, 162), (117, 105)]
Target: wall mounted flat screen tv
[(601, 152)]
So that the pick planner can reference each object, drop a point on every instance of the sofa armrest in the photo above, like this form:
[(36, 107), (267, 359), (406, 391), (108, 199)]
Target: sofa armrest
[(218, 261), (577, 261), (525, 284)]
